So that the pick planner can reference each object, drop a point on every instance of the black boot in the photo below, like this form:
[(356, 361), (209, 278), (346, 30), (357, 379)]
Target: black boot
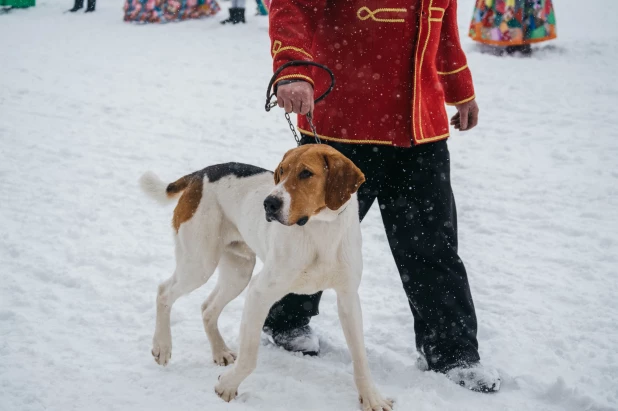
[(240, 16), (301, 339), (523, 49), (232, 18), (91, 5), (78, 5)]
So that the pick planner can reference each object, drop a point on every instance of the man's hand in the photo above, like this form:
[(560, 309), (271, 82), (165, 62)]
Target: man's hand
[(296, 97), (467, 116)]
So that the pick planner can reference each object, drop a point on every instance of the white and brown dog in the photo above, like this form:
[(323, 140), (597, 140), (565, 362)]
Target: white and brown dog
[(219, 222)]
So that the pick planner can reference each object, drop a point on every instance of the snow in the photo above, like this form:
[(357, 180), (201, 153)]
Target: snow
[(88, 103)]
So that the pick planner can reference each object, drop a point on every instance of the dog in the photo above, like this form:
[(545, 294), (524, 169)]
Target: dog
[(301, 221)]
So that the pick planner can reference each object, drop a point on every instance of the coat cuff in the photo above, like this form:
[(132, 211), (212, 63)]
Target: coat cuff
[(458, 86), (295, 73), (285, 53), (283, 82)]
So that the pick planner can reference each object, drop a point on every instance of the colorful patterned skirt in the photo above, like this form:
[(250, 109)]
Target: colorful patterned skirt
[(163, 11), (513, 22)]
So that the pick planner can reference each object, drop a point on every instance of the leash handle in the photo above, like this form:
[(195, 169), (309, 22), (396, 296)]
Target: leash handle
[(270, 93)]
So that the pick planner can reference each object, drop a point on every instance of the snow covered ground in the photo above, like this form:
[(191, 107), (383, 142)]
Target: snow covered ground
[(87, 103)]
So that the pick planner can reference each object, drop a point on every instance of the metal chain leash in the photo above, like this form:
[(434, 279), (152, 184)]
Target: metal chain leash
[(310, 120), (315, 133), (287, 117)]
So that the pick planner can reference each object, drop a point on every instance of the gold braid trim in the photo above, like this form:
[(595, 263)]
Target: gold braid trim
[(278, 49), (446, 73), (343, 140), (462, 101), (300, 76), (365, 13)]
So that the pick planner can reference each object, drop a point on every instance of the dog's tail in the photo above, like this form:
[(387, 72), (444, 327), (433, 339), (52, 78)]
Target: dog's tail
[(163, 193)]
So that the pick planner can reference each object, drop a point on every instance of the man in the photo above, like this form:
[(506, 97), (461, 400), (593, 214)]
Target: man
[(395, 68)]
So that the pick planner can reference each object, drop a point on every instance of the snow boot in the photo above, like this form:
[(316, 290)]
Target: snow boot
[(301, 339), (91, 6), (240, 17), (524, 50), (78, 5), (475, 377), (232, 18)]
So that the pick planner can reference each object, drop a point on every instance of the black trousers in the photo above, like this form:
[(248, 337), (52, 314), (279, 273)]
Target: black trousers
[(413, 188)]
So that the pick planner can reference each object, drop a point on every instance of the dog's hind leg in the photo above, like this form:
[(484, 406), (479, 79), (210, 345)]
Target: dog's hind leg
[(234, 274), (196, 261)]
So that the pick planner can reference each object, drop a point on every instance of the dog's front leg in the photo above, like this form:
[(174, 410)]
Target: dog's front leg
[(264, 290), (351, 318)]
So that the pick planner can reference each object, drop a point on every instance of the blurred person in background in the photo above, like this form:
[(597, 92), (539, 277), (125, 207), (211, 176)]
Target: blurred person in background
[(262, 7), (237, 13), (163, 11), (511, 26), (79, 4), (7, 5)]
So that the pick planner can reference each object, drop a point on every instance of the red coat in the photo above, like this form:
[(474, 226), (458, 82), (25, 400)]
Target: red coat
[(395, 66)]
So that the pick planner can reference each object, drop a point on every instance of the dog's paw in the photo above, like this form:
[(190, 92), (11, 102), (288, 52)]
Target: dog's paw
[(374, 402), (162, 352), (224, 357), (227, 394)]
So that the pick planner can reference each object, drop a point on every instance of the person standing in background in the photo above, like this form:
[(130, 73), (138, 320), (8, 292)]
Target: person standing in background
[(512, 25), (262, 7), (79, 4), (163, 11), (237, 13), (7, 5)]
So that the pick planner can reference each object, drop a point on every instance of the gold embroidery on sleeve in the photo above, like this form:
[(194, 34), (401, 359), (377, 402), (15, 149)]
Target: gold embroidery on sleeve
[(446, 73), (299, 76), (278, 49), (462, 101)]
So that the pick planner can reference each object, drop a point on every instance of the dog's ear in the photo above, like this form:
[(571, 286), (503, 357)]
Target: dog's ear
[(277, 173), (342, 180)]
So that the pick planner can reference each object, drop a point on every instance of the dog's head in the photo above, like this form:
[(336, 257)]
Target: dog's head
[(308, 180)]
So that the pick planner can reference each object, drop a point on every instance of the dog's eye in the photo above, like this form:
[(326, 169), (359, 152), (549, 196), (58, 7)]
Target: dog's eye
[(304, 174), (280, 171)]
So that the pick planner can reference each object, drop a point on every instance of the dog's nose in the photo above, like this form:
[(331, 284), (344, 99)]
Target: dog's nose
[(272, 204)]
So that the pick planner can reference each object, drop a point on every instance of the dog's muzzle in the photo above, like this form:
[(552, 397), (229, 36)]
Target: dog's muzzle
[(272, 206)]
